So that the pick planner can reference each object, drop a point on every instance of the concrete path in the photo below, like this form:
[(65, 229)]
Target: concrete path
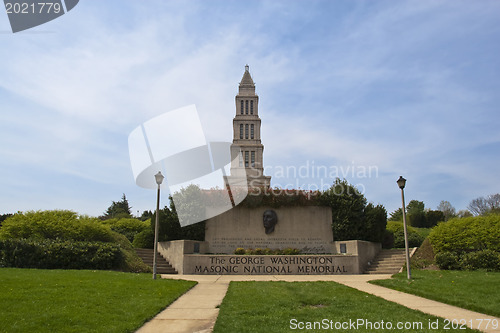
[(197, 310)]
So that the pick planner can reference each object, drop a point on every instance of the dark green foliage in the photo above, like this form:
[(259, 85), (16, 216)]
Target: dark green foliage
[(352, 218), (144, 239), (375, 223), (415, 206), (65, 240), (146, 215), (50, 253), (169, 227), (3, 217), (485, 259), (433, 217), (448, 261), (259, 251), (468, 243), (417, 219), (118, 209), (348, 206), (388, 240), (396, 215), (397, 229), (415, 211), (55, 224)]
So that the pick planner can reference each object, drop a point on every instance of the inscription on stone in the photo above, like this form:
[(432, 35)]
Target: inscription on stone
[(307, 229), (270, 265)]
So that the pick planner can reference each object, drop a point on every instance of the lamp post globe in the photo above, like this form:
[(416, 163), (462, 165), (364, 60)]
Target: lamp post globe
[(401, 182)]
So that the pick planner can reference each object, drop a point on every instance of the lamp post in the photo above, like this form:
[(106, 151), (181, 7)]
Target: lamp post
[(159, 179), (401, 183)]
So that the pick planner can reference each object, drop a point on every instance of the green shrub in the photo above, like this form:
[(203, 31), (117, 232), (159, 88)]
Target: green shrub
[(397, 228), (129, 227), (55, 224), (388, 241), (485, 259), (468, 234), (56, 253), (144, 240), (267, 251), (258, 251), (290, 251), (448, 260), (239, 250)]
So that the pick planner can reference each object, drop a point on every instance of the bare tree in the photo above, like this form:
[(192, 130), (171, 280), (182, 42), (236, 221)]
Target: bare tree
[(448, 210), (482, 205)]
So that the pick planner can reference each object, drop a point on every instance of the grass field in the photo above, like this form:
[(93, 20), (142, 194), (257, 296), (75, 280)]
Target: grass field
[(81, 301), (474, 290), (290, 306)]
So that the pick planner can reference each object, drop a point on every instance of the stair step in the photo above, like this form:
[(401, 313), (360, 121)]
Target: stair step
[(387, 262), (162, 265)]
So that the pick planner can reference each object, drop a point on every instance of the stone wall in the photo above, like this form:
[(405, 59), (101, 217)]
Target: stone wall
[(183, 256), (305, 228)]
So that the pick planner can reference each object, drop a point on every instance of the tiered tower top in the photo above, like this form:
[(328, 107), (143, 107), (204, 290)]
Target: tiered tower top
[(246, 135)]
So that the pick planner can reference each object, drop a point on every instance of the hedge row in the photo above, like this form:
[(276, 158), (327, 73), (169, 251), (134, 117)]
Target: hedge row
[(267, 251), (61, 254), (485, 259), (469, 234), (55, 224)]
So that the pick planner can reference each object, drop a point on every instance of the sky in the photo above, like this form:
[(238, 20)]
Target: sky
[(361, 90)]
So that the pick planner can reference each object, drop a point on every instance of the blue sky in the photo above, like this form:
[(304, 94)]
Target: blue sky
[(387, 87)]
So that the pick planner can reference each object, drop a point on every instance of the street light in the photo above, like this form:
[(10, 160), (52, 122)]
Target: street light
[(159, 179), (401, 183)]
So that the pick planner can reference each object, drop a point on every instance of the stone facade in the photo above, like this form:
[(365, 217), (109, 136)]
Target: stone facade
[(247, 149), (307, 229), (190, 257)]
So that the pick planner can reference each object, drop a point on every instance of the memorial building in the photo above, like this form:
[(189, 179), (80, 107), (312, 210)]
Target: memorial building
[(247, 149)]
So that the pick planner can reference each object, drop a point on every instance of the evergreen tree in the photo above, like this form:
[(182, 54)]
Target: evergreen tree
[(118, 209), (352, 218)]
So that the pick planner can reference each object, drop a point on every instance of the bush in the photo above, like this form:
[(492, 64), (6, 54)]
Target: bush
[(397, 228), (55, 224), (239, 250), (486, 259), (448, 260), (267, 251), (63, 254), (388, 241), (129, 227), (463, 235), (144, 240)]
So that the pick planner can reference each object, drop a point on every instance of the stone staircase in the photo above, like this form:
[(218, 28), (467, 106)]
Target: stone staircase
[(162, 265), (387, 262)]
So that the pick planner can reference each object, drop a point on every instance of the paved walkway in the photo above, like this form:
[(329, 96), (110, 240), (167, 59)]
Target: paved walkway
[(196, 311)]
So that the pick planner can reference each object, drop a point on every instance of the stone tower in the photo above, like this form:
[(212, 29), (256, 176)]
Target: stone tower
[(246, 136)]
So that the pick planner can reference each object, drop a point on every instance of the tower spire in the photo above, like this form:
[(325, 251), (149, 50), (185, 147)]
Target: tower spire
[(246, 138)]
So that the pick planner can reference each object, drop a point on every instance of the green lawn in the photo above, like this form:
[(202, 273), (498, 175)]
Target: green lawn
[(290, 306), (474, 290), (34, 300)]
